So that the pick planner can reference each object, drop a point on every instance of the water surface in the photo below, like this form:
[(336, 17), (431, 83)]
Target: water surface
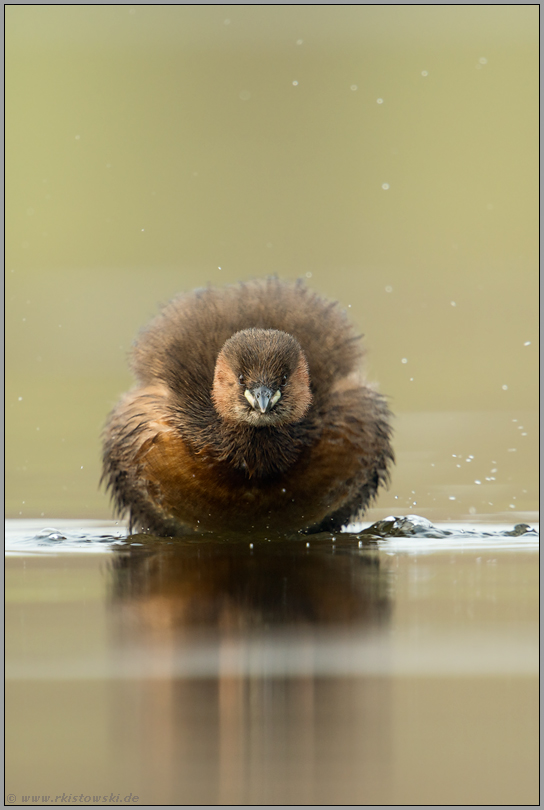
[(395, 664)]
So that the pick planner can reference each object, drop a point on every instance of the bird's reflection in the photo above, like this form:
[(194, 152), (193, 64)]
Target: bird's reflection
[(234, 585), (237, 733)]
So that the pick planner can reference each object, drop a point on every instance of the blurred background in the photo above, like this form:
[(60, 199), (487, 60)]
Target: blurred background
[(387, 154)]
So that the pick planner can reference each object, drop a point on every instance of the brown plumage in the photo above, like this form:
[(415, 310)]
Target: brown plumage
[(249, 414)]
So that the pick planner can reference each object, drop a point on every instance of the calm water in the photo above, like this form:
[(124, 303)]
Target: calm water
[(259, 139), (392, 665)]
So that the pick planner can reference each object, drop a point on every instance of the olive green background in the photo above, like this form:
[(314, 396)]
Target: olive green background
[(386, 153)]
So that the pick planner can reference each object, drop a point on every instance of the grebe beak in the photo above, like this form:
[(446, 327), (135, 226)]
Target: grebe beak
[(262, 398)]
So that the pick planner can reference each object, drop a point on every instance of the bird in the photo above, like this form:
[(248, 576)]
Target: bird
[(250, 413)]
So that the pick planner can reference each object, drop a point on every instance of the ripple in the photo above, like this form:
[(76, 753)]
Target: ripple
[(408, 533)]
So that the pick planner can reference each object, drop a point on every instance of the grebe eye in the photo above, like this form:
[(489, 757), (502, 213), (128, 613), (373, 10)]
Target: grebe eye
[(283, 380), (241, 379)]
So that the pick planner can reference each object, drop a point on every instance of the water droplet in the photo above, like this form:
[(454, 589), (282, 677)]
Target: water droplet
[(404, 360), (453, 303), (452, 498), (49, 534), (527, 342), (482, 60), (295, 84), (477, 482), (20, 399), (379, 101), (353, 87), (424, 72), (385, 186), (505, 388), (251, 545), (389, 288), (300, 41), (307, 545), (308, 274)]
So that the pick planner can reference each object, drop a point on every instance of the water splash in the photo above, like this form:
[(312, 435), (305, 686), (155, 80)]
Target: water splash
[(410, 533)]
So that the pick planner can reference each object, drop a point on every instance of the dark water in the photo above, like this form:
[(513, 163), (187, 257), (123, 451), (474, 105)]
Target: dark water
[(394, 664)]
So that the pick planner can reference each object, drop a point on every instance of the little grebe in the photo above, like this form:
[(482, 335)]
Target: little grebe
[(249, 414)]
